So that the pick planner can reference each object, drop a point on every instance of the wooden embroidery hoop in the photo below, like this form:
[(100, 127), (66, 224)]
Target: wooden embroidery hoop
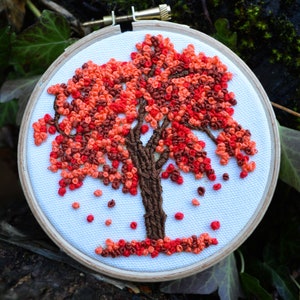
[(35, 202)]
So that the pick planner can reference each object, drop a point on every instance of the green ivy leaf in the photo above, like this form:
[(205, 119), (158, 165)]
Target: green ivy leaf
[(4, 50), (223, 33), (4, 46), (8, 112), (277, 271), (39, 45), (252, 287), (290, 157), (20, 89), (223, 277), (17, 88), (280, 283)]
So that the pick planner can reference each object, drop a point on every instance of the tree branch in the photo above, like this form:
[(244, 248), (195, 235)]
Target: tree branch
[(153, 141), (204, 129), (162, 159), (141, 114)]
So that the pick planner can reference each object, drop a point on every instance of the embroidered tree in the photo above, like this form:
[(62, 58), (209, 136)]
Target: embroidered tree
[(103, 111)]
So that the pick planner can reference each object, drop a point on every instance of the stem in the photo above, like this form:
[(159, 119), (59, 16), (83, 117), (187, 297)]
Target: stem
[(205, 12), (242, 261), (295, 282), (292, 112), (33, 9)]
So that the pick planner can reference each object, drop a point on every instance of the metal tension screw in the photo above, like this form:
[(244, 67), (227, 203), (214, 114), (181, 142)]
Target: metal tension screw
[(162, 12)]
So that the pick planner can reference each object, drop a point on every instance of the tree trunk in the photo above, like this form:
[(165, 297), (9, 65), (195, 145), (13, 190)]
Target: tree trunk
[(149, 169), (150, 185)]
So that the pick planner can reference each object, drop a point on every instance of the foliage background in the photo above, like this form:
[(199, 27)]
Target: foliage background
[(266, 35)]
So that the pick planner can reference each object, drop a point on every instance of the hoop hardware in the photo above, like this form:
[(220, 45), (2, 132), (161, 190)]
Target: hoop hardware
[(162, 12)]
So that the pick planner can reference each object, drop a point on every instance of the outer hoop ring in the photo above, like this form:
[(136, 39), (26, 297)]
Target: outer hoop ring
[(161, 275)]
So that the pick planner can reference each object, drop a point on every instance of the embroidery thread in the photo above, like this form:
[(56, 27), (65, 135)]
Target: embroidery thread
[(102, 111)]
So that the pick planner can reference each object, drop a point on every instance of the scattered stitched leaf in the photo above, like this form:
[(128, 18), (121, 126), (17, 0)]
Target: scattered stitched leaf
[(38, 46), (252, 287), (290, 157), (8, 112), (222, 277)]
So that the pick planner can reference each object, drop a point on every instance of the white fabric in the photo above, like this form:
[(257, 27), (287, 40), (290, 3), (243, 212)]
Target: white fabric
[(234, 205)]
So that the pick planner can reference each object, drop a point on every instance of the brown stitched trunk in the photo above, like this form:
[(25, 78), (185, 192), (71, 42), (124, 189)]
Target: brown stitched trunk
[(151, 192), (150, 185)]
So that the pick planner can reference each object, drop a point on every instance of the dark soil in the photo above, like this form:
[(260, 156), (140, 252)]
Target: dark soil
[(26, 275), (33, 267)]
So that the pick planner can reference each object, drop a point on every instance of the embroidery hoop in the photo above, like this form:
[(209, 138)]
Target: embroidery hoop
[(239, 217)]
